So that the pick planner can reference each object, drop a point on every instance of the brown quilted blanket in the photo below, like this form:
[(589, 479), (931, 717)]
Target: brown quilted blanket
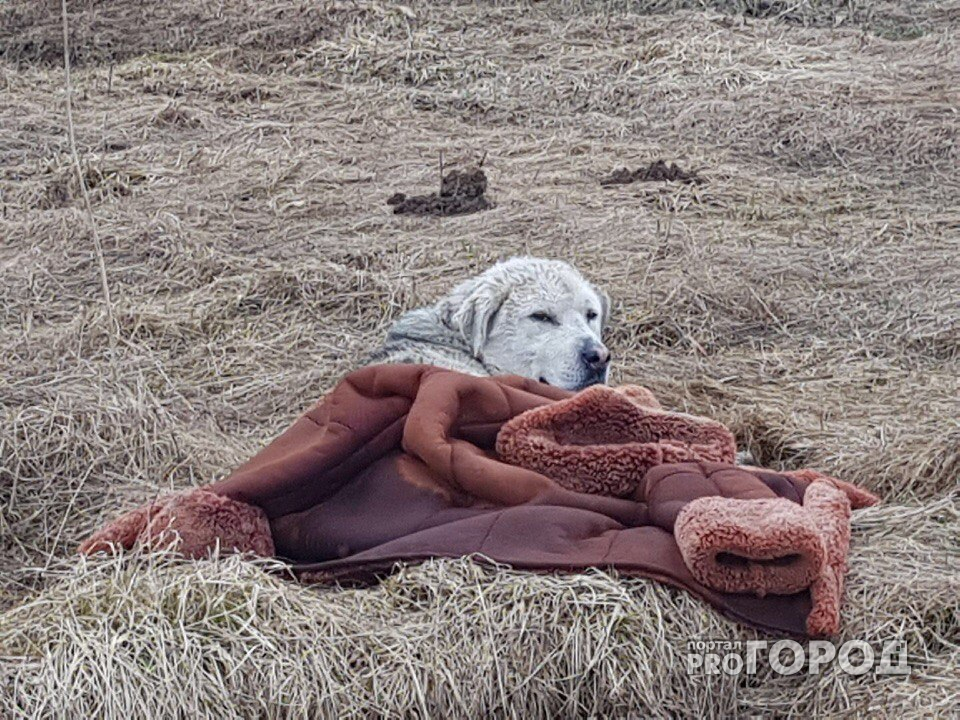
[(400, 463)]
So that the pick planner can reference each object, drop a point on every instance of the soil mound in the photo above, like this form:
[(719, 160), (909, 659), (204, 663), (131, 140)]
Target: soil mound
[(461, 193), (657, 171)]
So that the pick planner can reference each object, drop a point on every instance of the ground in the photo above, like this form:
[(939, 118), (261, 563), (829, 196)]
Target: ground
[(238, 159)]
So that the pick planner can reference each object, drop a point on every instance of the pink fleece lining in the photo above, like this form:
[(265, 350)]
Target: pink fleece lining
[(772, 546), (603, 440), (193, 523)]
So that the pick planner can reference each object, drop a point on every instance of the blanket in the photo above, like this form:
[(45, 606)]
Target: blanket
[(400, 463)]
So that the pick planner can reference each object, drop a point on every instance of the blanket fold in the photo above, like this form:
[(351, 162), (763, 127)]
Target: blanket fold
[(400, 463)]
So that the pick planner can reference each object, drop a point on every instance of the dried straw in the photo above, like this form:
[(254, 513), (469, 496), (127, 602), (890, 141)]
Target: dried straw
[(238, 158)]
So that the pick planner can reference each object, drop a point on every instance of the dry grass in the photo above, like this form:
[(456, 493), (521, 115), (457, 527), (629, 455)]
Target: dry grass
[(453, 639), (239, 157)]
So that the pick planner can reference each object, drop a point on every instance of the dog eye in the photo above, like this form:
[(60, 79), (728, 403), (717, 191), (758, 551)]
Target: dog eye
[(591, 315), (542, 317)]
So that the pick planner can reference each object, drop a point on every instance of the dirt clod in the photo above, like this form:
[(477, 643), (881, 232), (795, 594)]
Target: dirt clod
[(657, 171), (461, 192)]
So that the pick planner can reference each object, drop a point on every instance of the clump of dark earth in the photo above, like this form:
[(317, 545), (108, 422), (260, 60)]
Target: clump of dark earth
[(461, 192), (657, 171)]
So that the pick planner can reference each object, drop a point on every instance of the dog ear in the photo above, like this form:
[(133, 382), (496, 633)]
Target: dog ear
[(604, 307), (475, 314)]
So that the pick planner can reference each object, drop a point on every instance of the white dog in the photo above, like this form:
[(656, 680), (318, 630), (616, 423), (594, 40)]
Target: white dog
[(526, 316)]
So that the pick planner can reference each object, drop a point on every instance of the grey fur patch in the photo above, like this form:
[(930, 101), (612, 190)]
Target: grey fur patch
[(421, 337)]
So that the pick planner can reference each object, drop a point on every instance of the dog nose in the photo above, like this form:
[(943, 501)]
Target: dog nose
[(596, 357)]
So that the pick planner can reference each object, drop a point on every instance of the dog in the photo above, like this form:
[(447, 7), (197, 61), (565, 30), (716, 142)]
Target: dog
[(525, 316)]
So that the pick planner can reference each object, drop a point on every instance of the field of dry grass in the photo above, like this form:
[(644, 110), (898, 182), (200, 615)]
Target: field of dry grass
[(239, 156)]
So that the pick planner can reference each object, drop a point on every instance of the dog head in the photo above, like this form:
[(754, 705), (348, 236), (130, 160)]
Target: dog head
[(536, 318)]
